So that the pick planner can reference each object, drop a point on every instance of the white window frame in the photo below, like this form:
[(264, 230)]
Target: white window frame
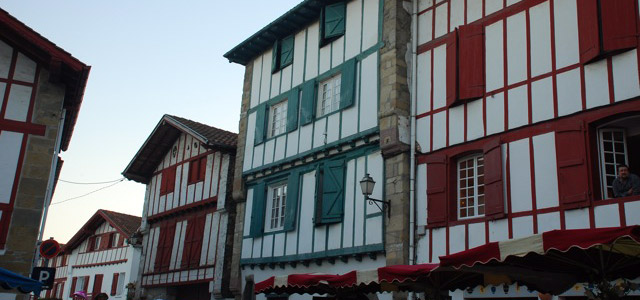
[(329, 95), (276, 206), (602, 163), (120, 287), (80, 284), (96, 244), (277, 119), (114, 242), (477, 160)]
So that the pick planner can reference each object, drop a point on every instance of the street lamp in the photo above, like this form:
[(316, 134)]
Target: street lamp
[(366, 184)]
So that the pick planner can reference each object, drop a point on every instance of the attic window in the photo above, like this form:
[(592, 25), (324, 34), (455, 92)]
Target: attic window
[(282, 55), (332, 24)]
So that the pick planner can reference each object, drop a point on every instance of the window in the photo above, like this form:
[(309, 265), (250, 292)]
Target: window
[(329, 95), (165, 246), (168, 181), (332, 25), (282, 54), (276, 204), (606, 27), (114, 238), (617, 141), (193, 241), (330, 192), (120, 287), (277, 119), (197, 170), (470, 187), (96, 244)]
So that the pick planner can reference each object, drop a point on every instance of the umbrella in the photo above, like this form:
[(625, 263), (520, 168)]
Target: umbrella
[(10, 280), (554, 261)]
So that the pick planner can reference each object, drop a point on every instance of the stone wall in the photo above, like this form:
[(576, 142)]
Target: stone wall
[(239, 191), (34, 177)]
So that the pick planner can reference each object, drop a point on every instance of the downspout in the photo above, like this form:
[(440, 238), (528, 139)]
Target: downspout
[(412, 153), (50, 185)]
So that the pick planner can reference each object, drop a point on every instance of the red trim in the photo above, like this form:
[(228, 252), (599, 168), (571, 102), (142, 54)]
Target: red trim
[(612, 97), (207, 279), (185, 209), (7, 90), (113, 262), (179, 270)]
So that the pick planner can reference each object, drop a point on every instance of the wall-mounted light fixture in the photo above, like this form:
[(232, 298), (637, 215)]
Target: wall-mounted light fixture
[(366, 184)]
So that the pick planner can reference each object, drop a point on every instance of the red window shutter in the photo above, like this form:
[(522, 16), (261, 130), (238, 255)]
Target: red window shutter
[(163, 183), (470, 61), (619, 26), (168, 245), (74, 280), (86, 284), (493, 183), (114, 284), (188, 242), (203, 168), (104, 241), (436, 190), (588, 30), (171, 179), (452, 68), (194, 171), (196, 245), (573, 178), (121, 241), (97, 284), (160, 247)]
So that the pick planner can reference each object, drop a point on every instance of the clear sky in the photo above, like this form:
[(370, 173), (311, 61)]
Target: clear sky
[(148, 58)]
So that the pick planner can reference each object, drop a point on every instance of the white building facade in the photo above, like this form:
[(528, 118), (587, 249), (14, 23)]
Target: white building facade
[(524, 111)]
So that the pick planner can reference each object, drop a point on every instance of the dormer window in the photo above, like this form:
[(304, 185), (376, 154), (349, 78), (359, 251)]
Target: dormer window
[(282, 54), (332, 23)]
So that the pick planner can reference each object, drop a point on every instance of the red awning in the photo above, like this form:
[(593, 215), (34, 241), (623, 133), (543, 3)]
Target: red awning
[(295, 283), (556, 260)]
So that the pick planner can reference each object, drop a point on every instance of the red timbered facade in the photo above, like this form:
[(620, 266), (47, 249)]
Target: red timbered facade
[(186, 226), (524, 111), (41, 89), (98, 258)]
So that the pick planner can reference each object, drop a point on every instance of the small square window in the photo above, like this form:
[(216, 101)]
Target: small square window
[(329, 95), (471, 187), (275, 209), (277, 119)]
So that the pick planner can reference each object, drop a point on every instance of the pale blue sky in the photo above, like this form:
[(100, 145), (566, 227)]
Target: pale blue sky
[(148, 58)]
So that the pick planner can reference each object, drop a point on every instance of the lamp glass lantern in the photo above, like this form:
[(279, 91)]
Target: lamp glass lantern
[(366, 184)]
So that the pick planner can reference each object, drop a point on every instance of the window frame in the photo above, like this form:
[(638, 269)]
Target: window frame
[(476, 157), (604, 184), (282, 126), (120, 286), (324, 40), (115, 237), (335, 81), (96, 243), (269, 207)]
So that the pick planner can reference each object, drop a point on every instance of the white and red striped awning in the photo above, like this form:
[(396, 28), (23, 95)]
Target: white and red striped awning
[(556, 260), (390, 278)]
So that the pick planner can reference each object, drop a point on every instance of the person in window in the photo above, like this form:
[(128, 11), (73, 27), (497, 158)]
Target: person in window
[(626, 184)]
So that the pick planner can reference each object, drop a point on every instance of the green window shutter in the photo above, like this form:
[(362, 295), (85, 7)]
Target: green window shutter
[(275, 57), (348, 83), (292, 110), (333, 192), (261, 112), (286, 52), (307, 110), (257, 211), (334, 20), (292, 201)]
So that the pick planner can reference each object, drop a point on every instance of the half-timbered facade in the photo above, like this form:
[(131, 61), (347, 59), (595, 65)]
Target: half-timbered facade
[(98, 258), (320, 111), (524, 111), (41, 89), (186, 221)]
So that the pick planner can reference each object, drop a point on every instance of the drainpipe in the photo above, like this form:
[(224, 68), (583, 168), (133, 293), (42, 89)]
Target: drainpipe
[(50, 185)]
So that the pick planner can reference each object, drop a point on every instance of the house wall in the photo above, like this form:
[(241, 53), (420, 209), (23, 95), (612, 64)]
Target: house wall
[(536, 87), (30, 112), (203, 201), (360, 41)]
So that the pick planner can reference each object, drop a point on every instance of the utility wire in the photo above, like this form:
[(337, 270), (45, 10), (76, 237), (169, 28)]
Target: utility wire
[(89, 193), (103, 182)]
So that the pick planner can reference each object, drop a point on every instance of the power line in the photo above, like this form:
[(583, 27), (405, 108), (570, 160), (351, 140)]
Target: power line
[(103, 182), (89, 193)]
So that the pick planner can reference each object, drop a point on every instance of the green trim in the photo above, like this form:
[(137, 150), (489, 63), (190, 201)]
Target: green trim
[(364, 206), (315, 255), (337, 69), (355, 179), (338, 143), (380, 20)]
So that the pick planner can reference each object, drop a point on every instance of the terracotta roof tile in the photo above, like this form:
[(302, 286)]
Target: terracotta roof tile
[(127, 223), (215, 136)]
